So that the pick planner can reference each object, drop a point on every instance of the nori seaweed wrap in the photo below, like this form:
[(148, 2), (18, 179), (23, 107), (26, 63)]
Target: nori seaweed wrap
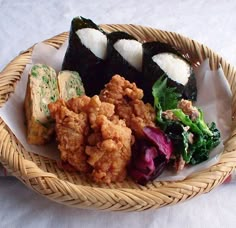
[(79, 57), (160, 59), (118, 64)]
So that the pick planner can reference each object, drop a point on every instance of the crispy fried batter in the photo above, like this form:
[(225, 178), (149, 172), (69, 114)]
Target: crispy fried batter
[(109, 150), (71, 130), (78, 104), (128, 104), (92, 106), (119, 90), (95, 134), (91, 137)]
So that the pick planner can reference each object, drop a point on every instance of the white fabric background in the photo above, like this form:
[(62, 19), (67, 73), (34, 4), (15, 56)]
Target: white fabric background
[(23, 23)]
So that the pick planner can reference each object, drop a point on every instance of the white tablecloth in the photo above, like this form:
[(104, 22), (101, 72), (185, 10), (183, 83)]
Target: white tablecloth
[(24, 23)]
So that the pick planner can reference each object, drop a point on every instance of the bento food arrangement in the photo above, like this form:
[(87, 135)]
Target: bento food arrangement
[(119, 107)]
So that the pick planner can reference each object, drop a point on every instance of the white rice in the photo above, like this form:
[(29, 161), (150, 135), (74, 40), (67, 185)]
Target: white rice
[(94, 40), (131, 51), (177, 69)]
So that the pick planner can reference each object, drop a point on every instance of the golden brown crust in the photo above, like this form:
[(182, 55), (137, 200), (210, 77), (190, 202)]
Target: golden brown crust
[(77, 105), (72, 130), (128, 104), (119, 89), (110, 151), (91, 137)]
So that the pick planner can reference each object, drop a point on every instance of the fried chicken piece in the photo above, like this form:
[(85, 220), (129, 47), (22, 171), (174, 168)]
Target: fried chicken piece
[(109, 150), (71, 130), (78, 104), (109, 141), (91, 138), (143, 115), (97, 108), (92, 106), (129, 106), (119, 89)]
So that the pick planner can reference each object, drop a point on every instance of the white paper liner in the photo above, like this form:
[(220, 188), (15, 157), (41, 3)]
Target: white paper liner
[(214, 97)]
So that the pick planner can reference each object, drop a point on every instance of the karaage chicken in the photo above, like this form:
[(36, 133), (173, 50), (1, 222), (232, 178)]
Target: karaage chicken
[(129, 106), (92, 138), (72, 130)]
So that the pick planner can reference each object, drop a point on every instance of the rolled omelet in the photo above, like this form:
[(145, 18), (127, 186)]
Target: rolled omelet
[(70, 84), (42, 89)]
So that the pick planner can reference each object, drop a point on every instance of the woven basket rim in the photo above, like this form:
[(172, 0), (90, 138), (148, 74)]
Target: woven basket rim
[(30, 168)]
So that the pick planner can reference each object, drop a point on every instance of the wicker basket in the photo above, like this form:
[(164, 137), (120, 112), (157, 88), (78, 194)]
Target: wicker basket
[(43, 175)]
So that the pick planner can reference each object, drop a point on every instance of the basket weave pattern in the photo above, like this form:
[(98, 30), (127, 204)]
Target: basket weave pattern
[(43, 175)]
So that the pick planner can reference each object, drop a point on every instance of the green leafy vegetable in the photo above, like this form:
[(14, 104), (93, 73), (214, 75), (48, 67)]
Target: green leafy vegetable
[(203, 144), (202, 125), (186, 120), (180, 138), (164, 97), (198, 126), (179, 129)]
